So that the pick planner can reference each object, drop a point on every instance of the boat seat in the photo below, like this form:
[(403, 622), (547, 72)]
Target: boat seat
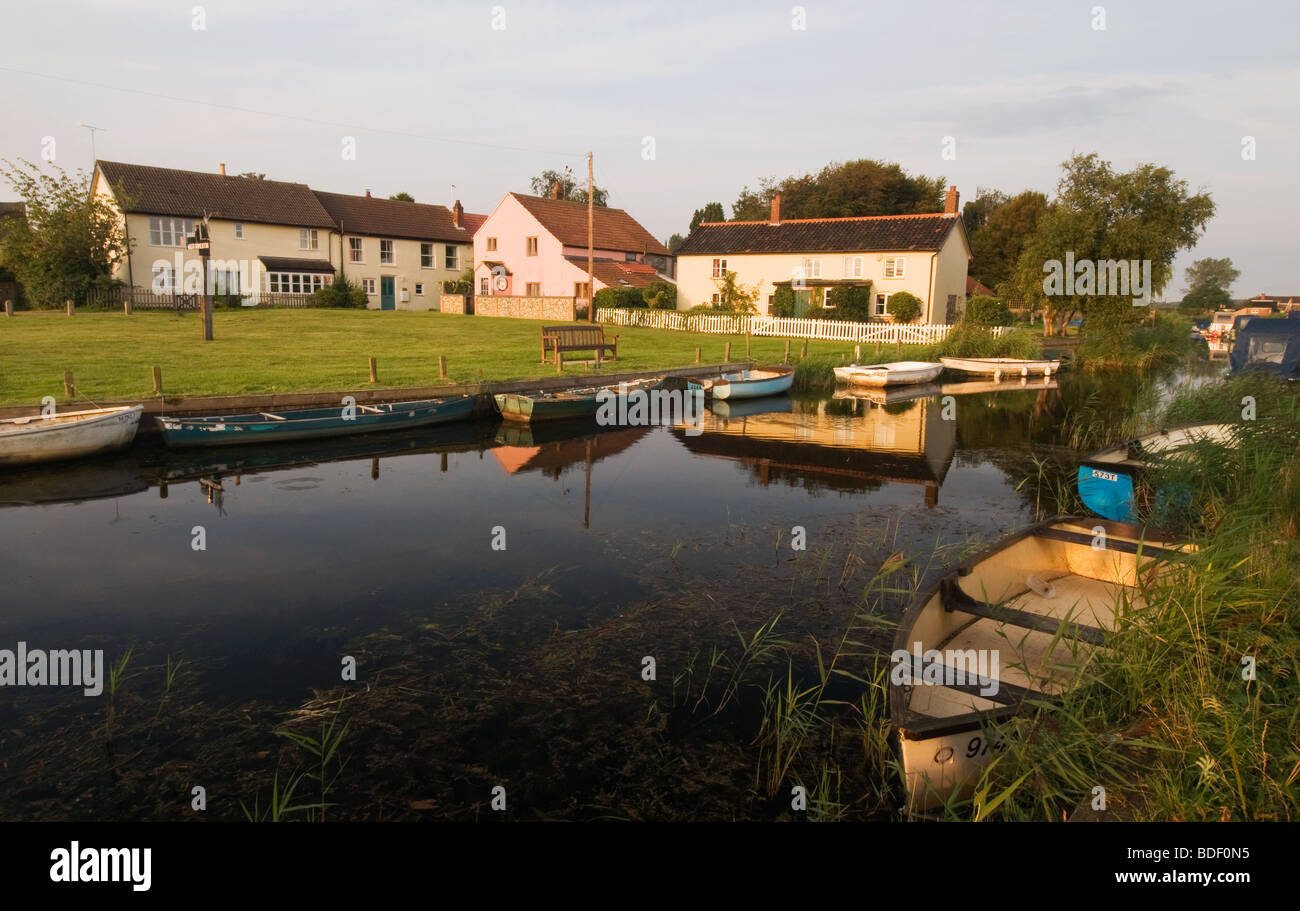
[(274, 417), (1112, 543), (1042, 621)]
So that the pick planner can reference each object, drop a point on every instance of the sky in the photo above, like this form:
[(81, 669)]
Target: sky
[(680, 103)]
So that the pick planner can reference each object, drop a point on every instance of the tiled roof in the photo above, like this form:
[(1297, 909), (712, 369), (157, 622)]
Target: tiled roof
[(613, 273), (884, 233), (293, 264), (473, 222), (975, 286), (13, 208), (165, 191), (376, 217), (612, 229)]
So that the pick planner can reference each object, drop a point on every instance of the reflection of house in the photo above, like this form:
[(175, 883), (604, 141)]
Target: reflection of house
[(845, 444), (537, 247), (925, 255)]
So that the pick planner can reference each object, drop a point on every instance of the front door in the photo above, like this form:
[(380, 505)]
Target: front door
[(387, 299), (802, 300)]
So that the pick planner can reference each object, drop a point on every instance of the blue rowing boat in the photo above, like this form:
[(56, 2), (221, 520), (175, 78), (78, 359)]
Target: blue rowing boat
[(314, 423), (749, 384)]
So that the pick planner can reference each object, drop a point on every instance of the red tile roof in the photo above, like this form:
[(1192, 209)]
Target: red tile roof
[(614, 273), (473, 222), (375, 217), (883, 233), (975, 286), (612, 229)]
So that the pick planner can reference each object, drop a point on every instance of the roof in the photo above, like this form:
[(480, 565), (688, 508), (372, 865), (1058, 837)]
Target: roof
[(17, 209), (497, 268), (975, 286), (473, 222), (612, 229), (822, 235), (376, 217), (294, 264), (166, 191), (613, 273)]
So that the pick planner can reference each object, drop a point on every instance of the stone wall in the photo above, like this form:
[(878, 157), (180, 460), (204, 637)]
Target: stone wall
[(452, 303), (552, 309)]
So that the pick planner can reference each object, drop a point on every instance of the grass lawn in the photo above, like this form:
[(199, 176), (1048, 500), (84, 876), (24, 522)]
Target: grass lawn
[(111, 355)]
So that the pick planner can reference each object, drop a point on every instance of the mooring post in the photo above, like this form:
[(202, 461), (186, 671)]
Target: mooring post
[(374, 371), (746, 346), (857, 353), (9, 308), (69, 305), (785, 359), (697, 354), (726, 354), (157, 380), (126, 305), (803, 351), (69, 387), (442, 366)]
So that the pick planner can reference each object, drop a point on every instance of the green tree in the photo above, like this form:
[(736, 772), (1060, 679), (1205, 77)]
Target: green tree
[(733, 296), (674, 242), (783, 301), (982, 310), (712, 211), (976, 213), (1206, 297), (403, 197), (252, 175), (569, 188), (660, 295), (68, 243), (1219, 273), (997, 245), (903, 306), (843, 189)]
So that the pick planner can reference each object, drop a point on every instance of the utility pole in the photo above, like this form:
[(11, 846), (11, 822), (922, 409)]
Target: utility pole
[(591, 279)]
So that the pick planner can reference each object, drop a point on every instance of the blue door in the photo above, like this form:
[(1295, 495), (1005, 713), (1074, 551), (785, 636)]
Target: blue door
[(387, 299)]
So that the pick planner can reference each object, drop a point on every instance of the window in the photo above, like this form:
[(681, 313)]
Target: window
[(239, 230), (308, 239), (534, 289), (170, 232), (581, 289), (531, 246), (369, 285), (894, 266), (355, 251), (719, 268), (419, 288), (812, 267), (881, 300), (853, 267), (426, 256), (296, 282), (162, 279), (483, 285), (450, 258), (717, 298), (631, 257), (492, 244), (826, 297), (385, 252)]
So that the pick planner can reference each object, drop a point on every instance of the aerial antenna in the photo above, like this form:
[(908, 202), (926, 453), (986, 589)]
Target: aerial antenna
[(93, 157)]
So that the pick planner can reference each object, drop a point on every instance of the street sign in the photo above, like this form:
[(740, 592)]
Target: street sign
[(200, 245)]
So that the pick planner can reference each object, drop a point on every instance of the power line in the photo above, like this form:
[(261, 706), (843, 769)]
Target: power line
[(301, 119)]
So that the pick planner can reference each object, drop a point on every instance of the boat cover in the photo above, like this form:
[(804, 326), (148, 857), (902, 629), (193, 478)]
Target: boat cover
[(1267, 344)]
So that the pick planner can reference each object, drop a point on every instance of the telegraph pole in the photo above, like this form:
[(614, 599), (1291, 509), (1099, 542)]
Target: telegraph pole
[(591, 279)]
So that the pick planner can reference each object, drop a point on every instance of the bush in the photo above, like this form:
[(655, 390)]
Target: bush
[(982, 310), (850, 302), (782, 301), (342, 293), (619, 297), (457, 286), (903, 307), (660, 295), (817, 311), (966, 340)]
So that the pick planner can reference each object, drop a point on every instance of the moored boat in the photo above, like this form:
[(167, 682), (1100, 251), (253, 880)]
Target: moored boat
[(312, 423), (897, 373), (571, 404), (1011, 627), (751, 383), (70, 435), (999, 367)]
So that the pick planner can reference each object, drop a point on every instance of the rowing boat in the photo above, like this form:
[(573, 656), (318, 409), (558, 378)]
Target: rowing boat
[(1010, 628), (70, 435), (750, 383), (1106, 479), (313, 423), (571, 404), (897, 373), (998, 367)]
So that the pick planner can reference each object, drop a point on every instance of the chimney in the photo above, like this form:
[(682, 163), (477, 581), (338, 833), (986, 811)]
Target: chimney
[(950, 201), (458, 215), (776, 210), (223, 168), (367, 194), (555, 191)]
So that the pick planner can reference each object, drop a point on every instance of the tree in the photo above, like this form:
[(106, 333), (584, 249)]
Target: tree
[(1216, 272), (712, 211), (850, 302), (674, 242), (660, 295), (843, 189), (733, 296), (1206, 297), (1145, 216), (569, 188), (903, 306), (403, 197), (997, 245), (69, 242), (982, 310), (976, 212), (252, 175), (783, 301)]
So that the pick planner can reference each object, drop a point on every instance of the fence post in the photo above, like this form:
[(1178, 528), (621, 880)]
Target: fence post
[(374, 372), (126, 304), (9, 308), (746, 345), (157, 380), (803, 352), (69, 306), (857, 353), (69, 387), (785, 358), (442, 366), (697, 354), (726, 353)]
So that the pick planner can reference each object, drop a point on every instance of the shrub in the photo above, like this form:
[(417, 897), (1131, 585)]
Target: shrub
[(983, 310), (903, 307), (966, 340), (457, 286), (619, 297), (850, 302), (342, 293), (817, 311), (660, 295), (782, 301)]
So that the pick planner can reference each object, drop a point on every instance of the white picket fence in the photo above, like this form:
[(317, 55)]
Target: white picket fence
[(778, 326)]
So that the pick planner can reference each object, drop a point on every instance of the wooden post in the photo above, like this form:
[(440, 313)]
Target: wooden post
[(877, 346), (726, 353), (69, 387), (857, 353), (157, 380), (803, 351), (785, 359), (126, 304), (69, 305), (442, 366), (374, 468), (746, 346), (9, 308), (697, 354), (559, 358), (591, 269), (374, 371)]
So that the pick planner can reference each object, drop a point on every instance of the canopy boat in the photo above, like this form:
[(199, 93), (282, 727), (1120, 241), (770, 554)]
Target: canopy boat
[(998, 367), (1271, 345), (749, 384), (897, 373), (1106, 478), (313, 423), (69, 435), (571, 404), (1011, 627)]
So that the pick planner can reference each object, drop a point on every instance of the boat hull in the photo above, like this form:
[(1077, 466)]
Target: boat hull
[(312, 424), (999, 367), (1107, 479), (575, 405), (72, 435), (747, 386), (899, 374)]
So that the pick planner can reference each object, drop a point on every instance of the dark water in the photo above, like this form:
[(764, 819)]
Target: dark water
[(383, 547)]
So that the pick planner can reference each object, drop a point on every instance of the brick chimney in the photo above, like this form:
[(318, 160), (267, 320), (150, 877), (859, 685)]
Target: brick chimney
[(950, 201), (458, 215), (222, 166), (367, 194), (775, 218), (555, 190)]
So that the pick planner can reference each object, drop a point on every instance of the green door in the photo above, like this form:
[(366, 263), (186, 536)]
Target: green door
[(802, 299), (387, 299)]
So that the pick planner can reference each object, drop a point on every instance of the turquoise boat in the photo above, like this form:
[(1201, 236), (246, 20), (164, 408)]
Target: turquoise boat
[(314, 423), (750, 384), (569, 405)]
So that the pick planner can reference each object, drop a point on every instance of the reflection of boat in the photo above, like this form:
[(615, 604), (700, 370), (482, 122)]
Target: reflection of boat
[(572, 404), (1009, 627), (541, 448), (313, 423), (70, 435), (1106, 478), (750, 384), (897, 373), (71, 482), (890, 395), (978, 386), (740, 408), (998, 367)]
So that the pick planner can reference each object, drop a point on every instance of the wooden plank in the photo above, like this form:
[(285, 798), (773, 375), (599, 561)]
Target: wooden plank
[(956, 599), (274, 417), (1127, 547)]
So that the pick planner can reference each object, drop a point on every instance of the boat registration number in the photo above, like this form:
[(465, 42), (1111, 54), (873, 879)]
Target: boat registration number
[(1105, 475), (979, 746)]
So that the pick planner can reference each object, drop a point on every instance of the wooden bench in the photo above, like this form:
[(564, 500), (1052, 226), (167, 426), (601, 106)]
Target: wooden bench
[(558, 339)]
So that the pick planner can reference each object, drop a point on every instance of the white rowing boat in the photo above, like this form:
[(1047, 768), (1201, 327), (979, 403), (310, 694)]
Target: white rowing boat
[(999, 367), (897, 373), (1010, 627), (71, 435)]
